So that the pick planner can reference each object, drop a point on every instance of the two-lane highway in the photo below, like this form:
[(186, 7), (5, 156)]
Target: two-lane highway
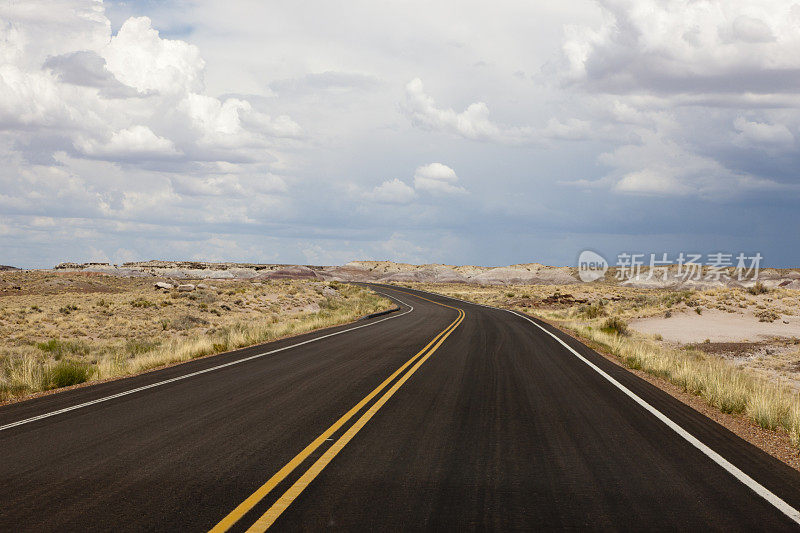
[(449, 415)]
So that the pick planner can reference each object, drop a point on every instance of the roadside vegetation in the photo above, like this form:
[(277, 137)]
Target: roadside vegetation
[(599, 315), (62, 330)]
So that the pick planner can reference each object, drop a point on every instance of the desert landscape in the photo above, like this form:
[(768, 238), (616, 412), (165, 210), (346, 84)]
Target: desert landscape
[(379, 266), (64, 327), (735, 346), (97, 320)]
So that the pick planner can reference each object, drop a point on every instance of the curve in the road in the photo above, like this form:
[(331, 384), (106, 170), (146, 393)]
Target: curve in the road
[(268, 518)]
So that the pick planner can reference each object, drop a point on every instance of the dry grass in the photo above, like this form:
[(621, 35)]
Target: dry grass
[(601, 321), (59, 330), (721, 384)]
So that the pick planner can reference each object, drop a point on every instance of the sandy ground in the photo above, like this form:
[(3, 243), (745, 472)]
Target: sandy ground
[(767, 348), (717, 326)]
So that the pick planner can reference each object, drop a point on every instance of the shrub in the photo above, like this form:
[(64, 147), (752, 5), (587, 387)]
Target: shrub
[(767, 315), (143, 303), (674, 298), (698, 310), (616, 325), (757, 289), (67, 373)]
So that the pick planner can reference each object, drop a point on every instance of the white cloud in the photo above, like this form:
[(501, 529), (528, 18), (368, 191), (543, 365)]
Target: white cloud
[(119, 125), (392, 192), (674, 83), (472, 123), (682, 45), (762, 134), (434, 178), (157, 130), (139, 58), (437, 178), (107, 93), (661, 167), (136, 141), (649, 181)]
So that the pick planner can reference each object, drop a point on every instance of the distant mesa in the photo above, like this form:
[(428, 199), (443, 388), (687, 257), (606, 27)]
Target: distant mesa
[(364, 271), (6, 268), (389, 271)]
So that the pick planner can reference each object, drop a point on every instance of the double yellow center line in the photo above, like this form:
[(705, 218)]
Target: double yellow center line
[(283, 502)]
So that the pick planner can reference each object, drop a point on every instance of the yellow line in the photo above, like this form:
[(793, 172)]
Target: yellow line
[(272, 514), (252, 500), (420, 297)]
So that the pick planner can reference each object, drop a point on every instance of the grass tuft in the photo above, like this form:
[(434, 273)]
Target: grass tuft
[(67, 373)]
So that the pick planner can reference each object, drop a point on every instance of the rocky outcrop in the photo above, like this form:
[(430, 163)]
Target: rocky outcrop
[(427, 274), (534, 274), (290, 272), (347, 273)]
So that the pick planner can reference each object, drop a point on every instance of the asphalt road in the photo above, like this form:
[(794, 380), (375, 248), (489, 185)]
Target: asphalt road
[(490, 423)]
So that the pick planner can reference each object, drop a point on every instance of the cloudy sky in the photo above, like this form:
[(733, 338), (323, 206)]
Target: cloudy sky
[(460, 132)]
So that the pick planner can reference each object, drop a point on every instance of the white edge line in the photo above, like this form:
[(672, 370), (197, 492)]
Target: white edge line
[(197, 373), (751, 483)]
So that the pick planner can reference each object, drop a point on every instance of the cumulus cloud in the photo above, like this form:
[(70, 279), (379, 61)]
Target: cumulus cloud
[(438, 179), (685, 46), (392, 192), (475, 124), (472, 123), (78, 104), (136, 141), (169, 134), (676, 84), (139, 58)]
